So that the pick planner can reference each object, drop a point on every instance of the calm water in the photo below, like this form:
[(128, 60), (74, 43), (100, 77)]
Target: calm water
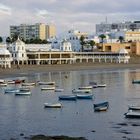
[(27, 115)]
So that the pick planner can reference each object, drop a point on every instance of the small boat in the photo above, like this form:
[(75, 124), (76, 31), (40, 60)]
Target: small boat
[(81, 90), (59, 90), (99, 85), (18, 81), (86, 87), (101, 106), (51, 105), (28, 84), (48, 88), (3, 84), (134, 107), (11, 90), (68, 97), (135, 81), (132, 114), (10, 82), (23, 93), (84, 96), (46, 83), (24, 89), (2, 81)]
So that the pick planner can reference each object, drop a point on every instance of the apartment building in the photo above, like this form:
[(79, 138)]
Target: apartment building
[(38, 30), (50, 31), (120, 26)]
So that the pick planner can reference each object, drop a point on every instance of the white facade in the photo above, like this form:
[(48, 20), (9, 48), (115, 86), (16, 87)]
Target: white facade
[(5, 58), (65, 46), (18, 51)]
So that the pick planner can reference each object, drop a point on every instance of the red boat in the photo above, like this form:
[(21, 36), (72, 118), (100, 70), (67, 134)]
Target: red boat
[(19, 81)]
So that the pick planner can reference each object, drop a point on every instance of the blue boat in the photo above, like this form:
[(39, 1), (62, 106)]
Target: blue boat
[(68, 97), (84, 96), (101, 106)]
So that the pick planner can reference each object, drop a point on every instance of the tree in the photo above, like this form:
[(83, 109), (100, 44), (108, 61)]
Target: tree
[(82, 42), (8, 40), (1, 39), (121, 39), (102, 36), (92, 43), (14, 37)]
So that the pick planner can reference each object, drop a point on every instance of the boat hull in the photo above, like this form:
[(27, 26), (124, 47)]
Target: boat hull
[(69, 98)]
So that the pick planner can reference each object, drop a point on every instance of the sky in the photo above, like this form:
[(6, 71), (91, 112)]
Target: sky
[(82, 15)]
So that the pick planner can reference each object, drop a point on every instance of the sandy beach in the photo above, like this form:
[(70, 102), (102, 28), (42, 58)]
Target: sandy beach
[(66, 67)]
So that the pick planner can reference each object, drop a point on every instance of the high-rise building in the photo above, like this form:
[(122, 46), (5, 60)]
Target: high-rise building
[(50, 31), (36, 31)]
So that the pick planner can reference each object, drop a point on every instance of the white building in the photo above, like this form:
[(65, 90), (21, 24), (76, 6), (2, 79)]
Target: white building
[(65, 46), (5, 58), (18, 51)]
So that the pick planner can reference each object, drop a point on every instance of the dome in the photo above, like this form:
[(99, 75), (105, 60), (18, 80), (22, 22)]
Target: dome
[(4, 51), (123, 51)]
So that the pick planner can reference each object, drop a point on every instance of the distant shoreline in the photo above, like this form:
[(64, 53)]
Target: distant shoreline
[(14, 71)]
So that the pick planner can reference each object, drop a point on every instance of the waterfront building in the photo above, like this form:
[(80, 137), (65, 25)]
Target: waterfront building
[(132, 36), (18, 52), (34, 31), (5, 57)]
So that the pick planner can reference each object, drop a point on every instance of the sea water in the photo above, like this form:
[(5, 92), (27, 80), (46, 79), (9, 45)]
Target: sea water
[(26, 115)]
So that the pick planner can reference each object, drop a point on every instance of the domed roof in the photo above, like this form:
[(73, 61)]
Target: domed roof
[(123, 51), (4, 51)]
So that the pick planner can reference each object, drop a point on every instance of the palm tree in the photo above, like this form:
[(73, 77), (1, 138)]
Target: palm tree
[(102, 36), (82, 42), (121, 39)]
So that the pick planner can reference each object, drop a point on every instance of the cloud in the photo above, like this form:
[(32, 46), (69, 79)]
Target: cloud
[(81, 14), (5, 10)]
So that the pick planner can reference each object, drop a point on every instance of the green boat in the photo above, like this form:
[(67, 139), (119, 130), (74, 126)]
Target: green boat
[(135, 81)]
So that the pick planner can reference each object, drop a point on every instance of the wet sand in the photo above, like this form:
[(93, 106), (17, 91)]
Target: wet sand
[(65, 67)]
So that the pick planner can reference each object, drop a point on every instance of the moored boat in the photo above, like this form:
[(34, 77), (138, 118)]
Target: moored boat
[(67, 97), (84, 96), (24, 89), (46, 83), (132, 114), (11, 90), (23, 93), (28, 84), (85, 87), (135, 81), (52, 105), (81, 90), (48, 88), (103, 106), (3, 84), (99, 85), (18, 81), (132, 107), (59, 90)]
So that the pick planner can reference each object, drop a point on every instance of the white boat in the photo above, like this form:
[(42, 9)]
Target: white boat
[(99, 85), (132, 114), (46, 83), (23, 93), (10, 82), (3, 84), (81, 90), (59, 90), (24, 89), (48, 88), (51, 105), (84, 96), (11, 90), (28, 84), (86, 87), (134, 107)]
